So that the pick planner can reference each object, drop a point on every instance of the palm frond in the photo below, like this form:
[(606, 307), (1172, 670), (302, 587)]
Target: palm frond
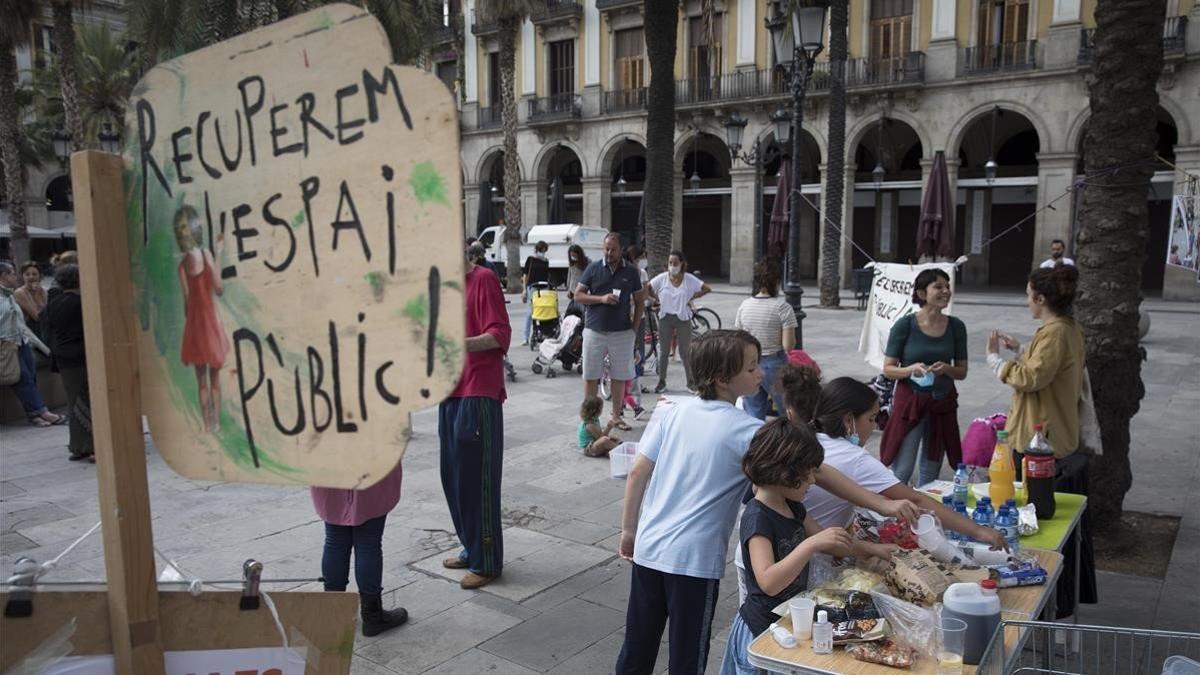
[(488, 11)]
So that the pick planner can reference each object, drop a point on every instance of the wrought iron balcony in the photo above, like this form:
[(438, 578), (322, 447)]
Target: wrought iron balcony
[(556, 11), (438, 34), (567, 106), (607, 5), (480, 28), (624, 100), (1174, 40), (488, 118), (888, 72), (989, 59)]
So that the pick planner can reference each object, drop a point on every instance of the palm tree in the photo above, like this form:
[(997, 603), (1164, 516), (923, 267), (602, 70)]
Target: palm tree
[(661, 25), (835, 173), (15, 16), (508, 16), (65, 56), (1111, 245), (105, 76)]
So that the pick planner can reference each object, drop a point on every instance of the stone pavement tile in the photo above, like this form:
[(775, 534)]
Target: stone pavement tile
[(429, 596), (601, 658), (555, 635), (613, 593), (361, 666), (14, 542), (499, 604), (9, 490), (416, 648), (1125, 600), (583, 531), (571, 478), (476, 661), (573, 586), (609, 513)]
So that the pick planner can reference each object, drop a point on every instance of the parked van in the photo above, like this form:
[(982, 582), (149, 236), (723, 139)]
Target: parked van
[(557, 237)]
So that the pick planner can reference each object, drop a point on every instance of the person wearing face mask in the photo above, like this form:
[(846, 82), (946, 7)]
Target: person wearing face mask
[(844, 420), (926, 352), (536, 270), (675, 290)]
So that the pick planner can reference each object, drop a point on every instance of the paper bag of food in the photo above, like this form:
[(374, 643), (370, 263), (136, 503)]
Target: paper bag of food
[(918, 577)]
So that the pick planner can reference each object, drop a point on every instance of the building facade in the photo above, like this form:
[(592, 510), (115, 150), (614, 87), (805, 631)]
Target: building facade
[(1004, 80)]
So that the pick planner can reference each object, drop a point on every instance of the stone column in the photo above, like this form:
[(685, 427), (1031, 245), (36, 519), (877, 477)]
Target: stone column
[(808, 224), (941, 59), (741, 239), (533, 204), (978, 216), (1062, 40), (470, 210), (1056, 173), (1179, 283), (596, 202), (677, 219)]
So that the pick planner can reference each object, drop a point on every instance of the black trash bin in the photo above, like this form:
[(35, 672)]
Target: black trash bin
[(862, 279)]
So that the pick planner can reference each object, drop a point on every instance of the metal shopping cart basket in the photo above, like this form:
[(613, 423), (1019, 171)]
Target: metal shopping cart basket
[(1020, 647)]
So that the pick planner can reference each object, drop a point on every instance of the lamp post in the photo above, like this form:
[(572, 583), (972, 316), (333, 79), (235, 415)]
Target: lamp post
[(797, 47), (757, 156), (110, 141)]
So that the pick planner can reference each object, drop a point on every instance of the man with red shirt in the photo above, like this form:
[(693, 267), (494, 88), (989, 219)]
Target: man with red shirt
[(471, 433)]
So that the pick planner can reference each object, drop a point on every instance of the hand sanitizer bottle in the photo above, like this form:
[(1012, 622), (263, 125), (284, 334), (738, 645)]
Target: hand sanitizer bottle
[(822, 634)]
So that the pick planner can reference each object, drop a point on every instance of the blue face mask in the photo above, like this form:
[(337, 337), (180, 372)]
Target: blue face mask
[(853, 438), (923, 380)]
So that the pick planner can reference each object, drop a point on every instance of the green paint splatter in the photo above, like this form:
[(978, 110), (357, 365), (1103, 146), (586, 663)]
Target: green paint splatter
[(452, 284), (427, 184), (375, 279), (324, 22), (448, 353), (417, 309), (298, 219)]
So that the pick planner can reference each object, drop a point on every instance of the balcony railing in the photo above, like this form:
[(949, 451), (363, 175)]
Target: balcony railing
[(552, 108), (605, 5), (557, 10), (907, 69), (623, 100), (438, 34), (483, 27), (1010, 56), (488, 118), (1174, 39), (740, 85)]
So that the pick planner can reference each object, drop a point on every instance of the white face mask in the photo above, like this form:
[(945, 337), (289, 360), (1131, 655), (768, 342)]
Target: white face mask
[(541, 255), (674, 270), (643, 264)]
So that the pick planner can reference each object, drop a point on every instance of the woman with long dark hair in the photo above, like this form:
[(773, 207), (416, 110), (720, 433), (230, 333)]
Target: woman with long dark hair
[(926, 352)]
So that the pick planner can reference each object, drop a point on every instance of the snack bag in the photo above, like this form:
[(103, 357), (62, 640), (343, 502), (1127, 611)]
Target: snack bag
[(883, 652), (917, 577)]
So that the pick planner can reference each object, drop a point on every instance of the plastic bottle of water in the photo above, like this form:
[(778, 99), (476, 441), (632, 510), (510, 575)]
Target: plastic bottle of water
[(982, 515), (961, 480), (1012, 533), (948, 502), (960, 508)]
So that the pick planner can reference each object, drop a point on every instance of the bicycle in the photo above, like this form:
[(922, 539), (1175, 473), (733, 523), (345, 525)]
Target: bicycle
[(649, 359), (704, 320)]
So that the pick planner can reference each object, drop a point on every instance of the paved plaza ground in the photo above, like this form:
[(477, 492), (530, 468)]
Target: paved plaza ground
[(560, 605)]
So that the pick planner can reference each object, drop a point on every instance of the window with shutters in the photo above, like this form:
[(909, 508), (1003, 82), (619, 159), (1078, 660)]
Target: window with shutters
[(1003, 29), (629, 59), (493, 75), (562, 69), (891, 28), (704, 50)]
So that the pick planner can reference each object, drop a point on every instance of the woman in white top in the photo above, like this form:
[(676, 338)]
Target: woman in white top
[(844, 420), (771, 320), (675, 290)]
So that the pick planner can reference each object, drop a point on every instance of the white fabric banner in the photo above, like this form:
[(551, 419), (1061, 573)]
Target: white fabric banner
[(891, 299)]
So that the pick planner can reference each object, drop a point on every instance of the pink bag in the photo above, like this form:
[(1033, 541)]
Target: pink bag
[(980, 441)]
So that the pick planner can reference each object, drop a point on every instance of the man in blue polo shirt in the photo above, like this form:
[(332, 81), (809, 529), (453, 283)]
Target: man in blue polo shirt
[(606, 290)]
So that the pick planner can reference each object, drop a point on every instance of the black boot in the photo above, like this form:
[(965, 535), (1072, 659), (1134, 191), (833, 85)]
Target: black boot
[(376, 619)]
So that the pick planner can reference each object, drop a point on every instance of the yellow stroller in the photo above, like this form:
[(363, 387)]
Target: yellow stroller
[(543, 306)]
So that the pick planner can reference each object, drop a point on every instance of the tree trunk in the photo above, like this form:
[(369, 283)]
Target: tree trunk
[(1111, 246), (14, 172), (661, 28), (835, 171), (68, 70), (508, 29)]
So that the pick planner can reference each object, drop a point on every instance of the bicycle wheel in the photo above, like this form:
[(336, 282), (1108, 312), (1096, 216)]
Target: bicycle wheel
[(714, 319), (605, 385), (700, 325)]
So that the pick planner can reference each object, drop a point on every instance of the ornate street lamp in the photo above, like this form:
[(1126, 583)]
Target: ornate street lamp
[(798, 49), (989, 167), (62, 146), (878, 172), (621, 167), (735, 128), (695, 179), (110, 141)]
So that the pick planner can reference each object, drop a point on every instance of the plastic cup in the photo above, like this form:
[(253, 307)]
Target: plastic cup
[(617, 292), (802, 617), (952, 635)]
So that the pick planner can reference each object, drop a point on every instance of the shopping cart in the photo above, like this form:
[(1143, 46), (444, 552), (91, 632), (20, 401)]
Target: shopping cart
[(1070, 649)]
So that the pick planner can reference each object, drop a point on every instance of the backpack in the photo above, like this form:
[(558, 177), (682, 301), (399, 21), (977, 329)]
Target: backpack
[(980, 441)]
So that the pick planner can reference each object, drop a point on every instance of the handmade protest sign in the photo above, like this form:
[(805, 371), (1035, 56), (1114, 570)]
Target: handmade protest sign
[(295, 240), (891, 299)]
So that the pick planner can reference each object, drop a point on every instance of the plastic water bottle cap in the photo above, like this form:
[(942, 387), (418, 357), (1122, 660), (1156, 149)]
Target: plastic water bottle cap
[(822, 617), (988, 585)]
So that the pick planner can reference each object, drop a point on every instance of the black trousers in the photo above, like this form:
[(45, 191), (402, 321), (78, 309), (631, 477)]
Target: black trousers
[(653, 597)]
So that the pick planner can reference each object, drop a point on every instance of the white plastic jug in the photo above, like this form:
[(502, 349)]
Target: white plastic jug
[(980, 610)]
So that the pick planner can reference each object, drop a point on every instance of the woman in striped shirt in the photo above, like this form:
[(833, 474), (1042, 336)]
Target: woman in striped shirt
[(771, 320)]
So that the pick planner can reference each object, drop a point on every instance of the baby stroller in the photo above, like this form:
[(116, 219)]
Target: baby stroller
[(566, 347), (543, 307)]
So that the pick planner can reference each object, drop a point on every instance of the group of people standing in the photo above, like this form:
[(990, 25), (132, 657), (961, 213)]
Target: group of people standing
[(34, 319)]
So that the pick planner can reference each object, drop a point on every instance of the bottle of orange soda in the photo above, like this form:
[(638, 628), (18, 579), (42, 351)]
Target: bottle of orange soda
[(1001, 472)]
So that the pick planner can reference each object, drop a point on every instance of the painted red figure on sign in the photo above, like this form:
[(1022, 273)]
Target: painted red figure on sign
[(205, 344)]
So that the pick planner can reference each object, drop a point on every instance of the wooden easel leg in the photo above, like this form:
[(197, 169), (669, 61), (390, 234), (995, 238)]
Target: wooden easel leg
[(111, 329)]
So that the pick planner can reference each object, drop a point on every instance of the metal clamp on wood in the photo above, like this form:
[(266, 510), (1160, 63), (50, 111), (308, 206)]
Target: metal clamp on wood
[(251, 576), (20, 598)]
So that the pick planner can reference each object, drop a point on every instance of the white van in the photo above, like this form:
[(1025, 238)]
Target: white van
[(557, 237)]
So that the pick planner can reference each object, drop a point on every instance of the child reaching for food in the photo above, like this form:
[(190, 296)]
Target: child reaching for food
[(594, 440), (777, 536)]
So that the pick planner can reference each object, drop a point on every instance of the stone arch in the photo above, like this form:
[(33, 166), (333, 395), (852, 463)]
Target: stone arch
[(486, 158), (542, 160), (609, 150), (863, 126), (954, 141), (683, 145)]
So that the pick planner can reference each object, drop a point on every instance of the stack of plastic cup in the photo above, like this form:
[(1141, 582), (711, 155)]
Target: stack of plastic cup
[(802, 617)]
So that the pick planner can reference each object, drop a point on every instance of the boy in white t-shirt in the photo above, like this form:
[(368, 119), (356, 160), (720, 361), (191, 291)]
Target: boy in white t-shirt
[(681, 499)]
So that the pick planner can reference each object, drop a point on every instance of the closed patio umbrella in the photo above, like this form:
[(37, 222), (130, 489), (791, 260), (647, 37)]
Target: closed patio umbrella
[(486, 217), (777, 234), (935, 231)]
